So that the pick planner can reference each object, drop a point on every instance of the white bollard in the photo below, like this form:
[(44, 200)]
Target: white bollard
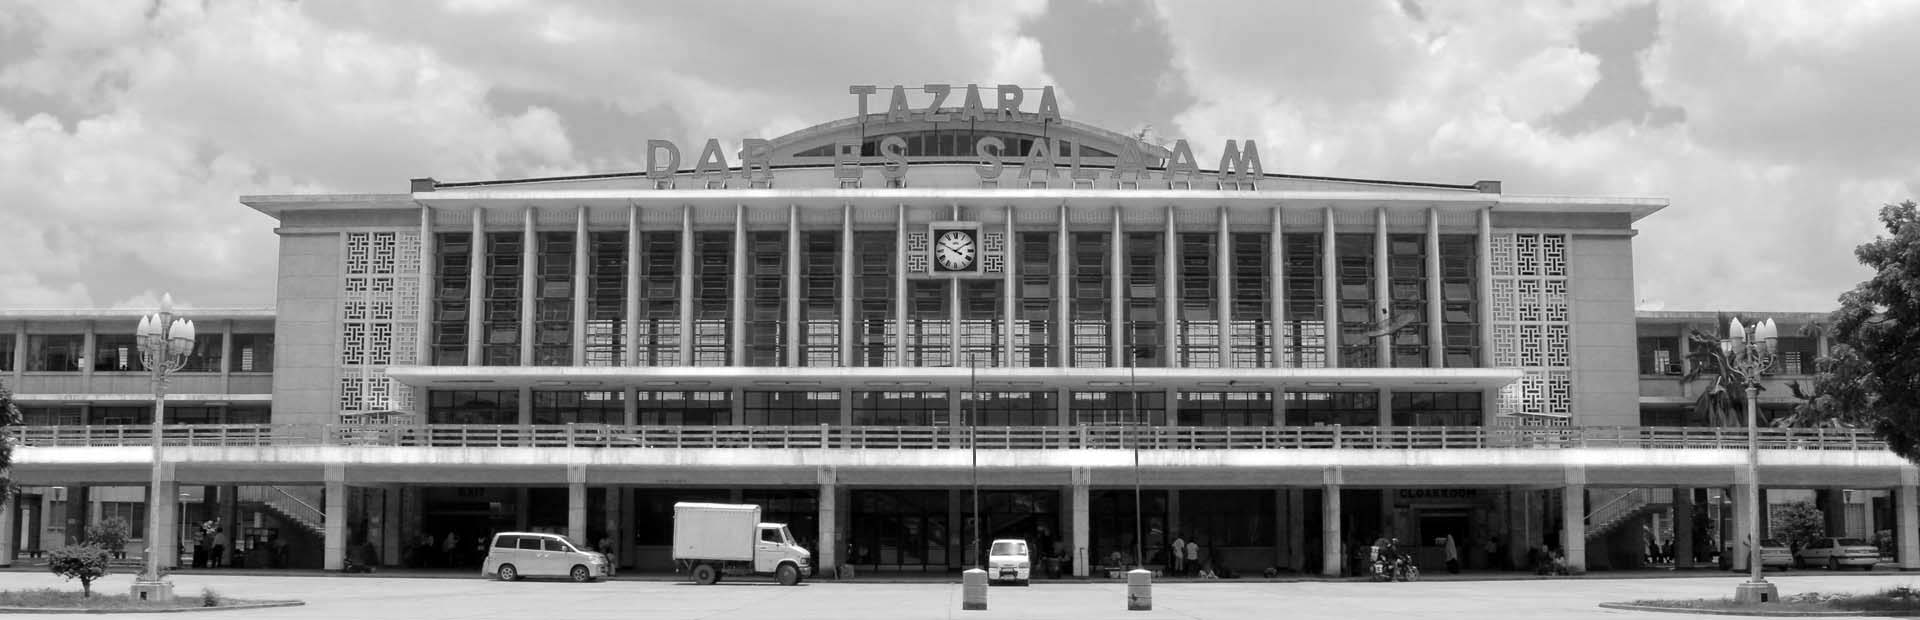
[(1139, 590), (973, 590)]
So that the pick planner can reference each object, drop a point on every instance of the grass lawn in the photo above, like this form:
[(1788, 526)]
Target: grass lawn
[(1900, 599), (49, 598)]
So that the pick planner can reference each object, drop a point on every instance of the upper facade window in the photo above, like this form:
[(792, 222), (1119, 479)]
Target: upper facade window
[(56, 352)]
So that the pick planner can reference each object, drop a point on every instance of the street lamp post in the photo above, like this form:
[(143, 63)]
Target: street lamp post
[(1750, 352), (973, 443), (165, 343), (1133, 399)]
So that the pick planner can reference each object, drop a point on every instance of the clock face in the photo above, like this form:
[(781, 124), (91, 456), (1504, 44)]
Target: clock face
[(954, 250)]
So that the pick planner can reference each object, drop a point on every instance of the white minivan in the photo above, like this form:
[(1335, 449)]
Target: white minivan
[(528, 554), (1008, 560)]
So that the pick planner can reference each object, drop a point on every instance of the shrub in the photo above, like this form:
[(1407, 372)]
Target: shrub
[(111, 535), (1799, 523), (83, 562), (209, 598)]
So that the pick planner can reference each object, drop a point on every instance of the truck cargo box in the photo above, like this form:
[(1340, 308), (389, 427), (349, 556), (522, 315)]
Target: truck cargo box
[(725, 532)]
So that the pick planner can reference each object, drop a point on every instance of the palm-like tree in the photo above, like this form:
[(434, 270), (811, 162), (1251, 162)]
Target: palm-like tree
[(9, 416), (1724, 401)]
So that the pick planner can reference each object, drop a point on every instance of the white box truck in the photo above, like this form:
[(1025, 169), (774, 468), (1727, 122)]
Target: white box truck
[(714, 540)]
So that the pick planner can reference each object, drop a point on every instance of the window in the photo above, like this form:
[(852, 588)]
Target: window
[(1033, 327), (766, 302), (1436, 409), (607, 300), (1228, 518), (820, 290), (684, 408), (6, 352), (1796, 355), (659, 328), (1143, 320), (1252, 300), (504, 541), (1358, 325), (1088, 300), (553, 305), (1323, 408), (899, 408), (1010, 408), (713, 299), (1120, 408), (1305, 326), (500, 341), (206, 354), (134, 513), (1660, 355), (474, 407), (1199, 317), (792, 408), (1460, 315), (116, 353), (1407, 300), (252, 353), (929, 326), (55, 352), (579, 407), (1225, 409), (450, 298)]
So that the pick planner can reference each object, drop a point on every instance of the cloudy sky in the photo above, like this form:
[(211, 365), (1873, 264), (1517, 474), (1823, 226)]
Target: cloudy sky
[(128, 129)]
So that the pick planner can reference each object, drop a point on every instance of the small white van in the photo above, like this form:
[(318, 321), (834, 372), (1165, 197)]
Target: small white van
[(528, 554), (1009, 560)]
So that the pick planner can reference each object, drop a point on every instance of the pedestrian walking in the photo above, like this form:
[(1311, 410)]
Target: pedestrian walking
[(1193, 555), (1453, 556), (1179, 556)]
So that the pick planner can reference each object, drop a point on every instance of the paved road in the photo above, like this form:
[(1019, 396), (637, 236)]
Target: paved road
[(360, 597)]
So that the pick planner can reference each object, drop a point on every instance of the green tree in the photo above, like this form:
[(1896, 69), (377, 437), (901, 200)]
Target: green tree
[(1724, 401), (83, 562), (1879, 321), (1842, 393), (1798, 523), (110, 534), (9, 417)]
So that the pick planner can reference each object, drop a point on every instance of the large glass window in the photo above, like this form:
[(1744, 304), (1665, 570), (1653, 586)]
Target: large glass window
[(55, 352), (1220, 518), (1459, 305), (607, 300), (981, 333), (7, 346), (929, 323), (1120, 408), (451, 271), (766, 298), (1343, 408), (474, 407), (1144, 323), (1407, 289), (684, 408), (206, 354), (579, 407), (899, 530), (659, 328), (899, 408), (1660, 355), (1796, 357), (120, 415), (501, 344), (1033, 329), (133, 513), (874, 298), (1010, 408), (1306, 320), (713, 298), (820, 284), (1199, 320), (1090, 296), (116, 353), (1436, 409), (792, 408), (1225, 409), (553, 302), (1358, 325), (252, 353), (1112, 528), (1252, 298)]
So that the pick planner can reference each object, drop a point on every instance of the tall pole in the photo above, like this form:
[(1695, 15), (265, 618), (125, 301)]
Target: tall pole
[(973, 442), (1753, 481), (1133, 398), (1749, 352), (165, 342)]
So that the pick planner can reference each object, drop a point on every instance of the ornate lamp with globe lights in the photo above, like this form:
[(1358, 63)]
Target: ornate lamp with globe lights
[(1750, 352), (166, 341)]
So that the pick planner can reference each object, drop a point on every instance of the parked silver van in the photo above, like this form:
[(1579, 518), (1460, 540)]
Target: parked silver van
[(527, 554)]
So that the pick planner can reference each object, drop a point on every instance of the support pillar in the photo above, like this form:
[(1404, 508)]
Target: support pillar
[(829, 559), (628, 551), (1082, 480), (1573, 519), (1907, 519), (577, 506), (335, 548), (1683, 543), (1734, 544), (1330, 536), (1297, 529), (166, 541), (522, 499), (389, 526), (1833, 507), (10, 508)]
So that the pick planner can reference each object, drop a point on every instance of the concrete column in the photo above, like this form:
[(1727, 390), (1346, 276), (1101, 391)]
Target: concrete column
[(7, 530), (335, 554), (476, 285), (230, 519), (1683, 542), (390, 518), (960, 534), (1385, 406), (1735, 542), (165, 541), (577, 506), (1330, 536), (1082, 481), (1297, 529), (525, 415), (1062, 333), (1117, 336), (1173, 518), (582, 245), (1907, 518), (630, 352), (847, 340), (829, 548), (899, 343), (1483, 298), (1833, 506), (76, 517), (529, 285), (1277, 281), (795, 330), (1170, 294), (1382, 291), (1223, 288), (686, 286), (611, 510), (1329, 286), (626, 544), (1573, 518), (521, 500), (1009, 294), (737, 327), (1436, 323)]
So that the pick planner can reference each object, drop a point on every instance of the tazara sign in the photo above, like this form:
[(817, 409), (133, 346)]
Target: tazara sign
[(1046, 159)]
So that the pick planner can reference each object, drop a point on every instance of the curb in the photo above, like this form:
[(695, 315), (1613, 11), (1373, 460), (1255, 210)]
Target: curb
[(1759, 612), (165, 610)]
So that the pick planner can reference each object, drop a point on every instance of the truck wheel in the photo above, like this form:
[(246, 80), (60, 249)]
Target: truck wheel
[(787, 574), (705, 575), (580, 574), (508, 573)]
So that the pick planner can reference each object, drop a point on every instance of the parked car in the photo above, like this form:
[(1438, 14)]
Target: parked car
[(1775, 554), (1007, 560), (528, 554), (1837, 552)]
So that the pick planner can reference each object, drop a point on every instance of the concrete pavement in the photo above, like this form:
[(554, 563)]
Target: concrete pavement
[(363, 597)]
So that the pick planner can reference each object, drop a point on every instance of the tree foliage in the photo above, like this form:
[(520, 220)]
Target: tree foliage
[(1841, 394), (83, 562), (110, 534), (1879, 321), (1798, 523), (9, 417), (1724, 401)]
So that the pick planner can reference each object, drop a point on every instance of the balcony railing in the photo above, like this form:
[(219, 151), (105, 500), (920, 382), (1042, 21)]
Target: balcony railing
[(931, 437)]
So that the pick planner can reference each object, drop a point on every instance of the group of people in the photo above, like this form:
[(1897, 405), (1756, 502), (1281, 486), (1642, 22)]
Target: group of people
[(450, 551), (1659, 552), (210, 544), (1185, 560)]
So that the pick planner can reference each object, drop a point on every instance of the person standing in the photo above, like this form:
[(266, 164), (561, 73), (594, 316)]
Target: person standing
[(1179, 556), (1453, 556), (1193, 554), (220, 543), (450, 549)]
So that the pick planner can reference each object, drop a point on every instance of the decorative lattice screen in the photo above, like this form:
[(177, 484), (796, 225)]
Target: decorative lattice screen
[(1531, 323), (379, 318)]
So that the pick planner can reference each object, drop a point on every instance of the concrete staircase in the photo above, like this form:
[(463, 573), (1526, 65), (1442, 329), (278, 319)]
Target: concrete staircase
[(1626, 506), (295, 505)]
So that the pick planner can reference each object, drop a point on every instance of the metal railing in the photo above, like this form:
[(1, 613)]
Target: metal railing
[(932, 437), (288, 503)]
